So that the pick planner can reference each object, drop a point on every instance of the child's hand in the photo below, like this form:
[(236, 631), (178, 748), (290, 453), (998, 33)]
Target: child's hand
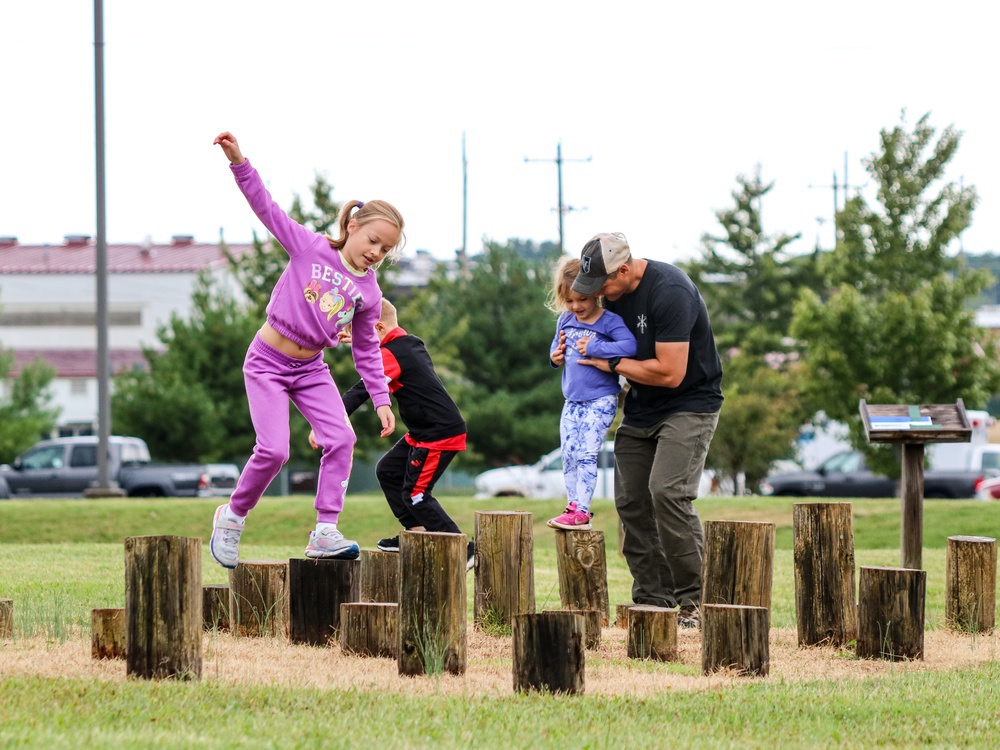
[(230, 147), (581, 345), (558, 355), (343, 337), (312, 439), (388, 420)]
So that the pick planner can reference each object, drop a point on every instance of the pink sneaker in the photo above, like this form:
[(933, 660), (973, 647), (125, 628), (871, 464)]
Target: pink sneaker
[(571, 518)]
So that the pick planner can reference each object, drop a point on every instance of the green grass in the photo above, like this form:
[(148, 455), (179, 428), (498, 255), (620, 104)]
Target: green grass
[(61, 558)]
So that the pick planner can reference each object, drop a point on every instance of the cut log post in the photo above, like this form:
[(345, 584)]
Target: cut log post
[(621, 615), (971, 584), (379, 576), (107, 633), (592, 625), (215, 606), (548, 652), (505, 570), (258, 598), (583, 571), (652, 633), (370, 628), (825, 604), (163, 602), (738, 563), (735, 637), (432, 603), (316, 589), (6, 618), (891, 613)]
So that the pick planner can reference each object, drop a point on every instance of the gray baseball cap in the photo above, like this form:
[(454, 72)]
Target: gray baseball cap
[(601, 257)]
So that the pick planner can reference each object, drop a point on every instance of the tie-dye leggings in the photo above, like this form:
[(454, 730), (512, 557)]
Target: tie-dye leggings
[(582, 429)]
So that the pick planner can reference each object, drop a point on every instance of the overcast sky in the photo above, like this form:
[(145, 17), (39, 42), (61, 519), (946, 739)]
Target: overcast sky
[(669, 101)]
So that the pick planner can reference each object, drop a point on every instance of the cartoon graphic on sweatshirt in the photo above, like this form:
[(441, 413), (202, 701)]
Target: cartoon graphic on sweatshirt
[(331, 303), (312, 291)]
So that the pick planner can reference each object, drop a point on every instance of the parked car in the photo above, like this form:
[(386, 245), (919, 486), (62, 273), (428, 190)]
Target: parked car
[(989, 489), (68, 466), (544, 479), (4, 489)]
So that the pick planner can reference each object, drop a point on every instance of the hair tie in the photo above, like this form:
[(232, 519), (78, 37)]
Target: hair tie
[(360, 204)]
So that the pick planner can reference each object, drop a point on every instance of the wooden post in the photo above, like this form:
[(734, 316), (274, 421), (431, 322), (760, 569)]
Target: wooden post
[(621, 615), (215, 606), (591, 625), (735, 637), (891, 613), (379, 576), (316, 589), (107, 633), (548, 652), (970, 598), (432, 603), (505, 573), (163, 602), (583, 571), (258, 601), (370, 628), (652, 633), (825, 604), (912, 492), (6, 618), (738, 563)]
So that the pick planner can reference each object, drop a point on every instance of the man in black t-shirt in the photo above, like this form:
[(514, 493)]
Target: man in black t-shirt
[(671, 411)]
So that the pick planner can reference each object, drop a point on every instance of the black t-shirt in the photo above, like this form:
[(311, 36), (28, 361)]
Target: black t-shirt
[(667, 307)]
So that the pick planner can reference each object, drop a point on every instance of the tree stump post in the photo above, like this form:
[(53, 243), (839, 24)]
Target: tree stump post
[(107, 633), (891, 613), (505, 570), (825, 604), (215, 606), (652, 633), (163, 607), (316, 589), (621, 615), (591, 625), (6, 618), (379, 576), (258, 598), (735, 637), (432, 603), (583, 571), (738, 563), (970, 598), (370, 628), (548, 652)]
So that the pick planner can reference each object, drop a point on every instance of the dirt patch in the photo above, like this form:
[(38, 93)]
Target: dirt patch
[(269, 661)]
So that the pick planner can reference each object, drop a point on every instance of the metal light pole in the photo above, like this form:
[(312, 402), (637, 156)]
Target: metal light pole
[(561, 207)]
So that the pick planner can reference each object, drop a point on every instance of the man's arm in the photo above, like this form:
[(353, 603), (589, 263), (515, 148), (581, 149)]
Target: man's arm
[(666, 370)]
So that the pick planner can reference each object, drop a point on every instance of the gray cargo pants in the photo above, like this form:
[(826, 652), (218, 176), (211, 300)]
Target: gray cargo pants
[(657, 471)]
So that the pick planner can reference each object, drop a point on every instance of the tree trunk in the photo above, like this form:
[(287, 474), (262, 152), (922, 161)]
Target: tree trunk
[(621, 615), (107, 633), (548, 652), (370, 628), (971, 584), (504, 577), (432, 603), (825, 604), (215, 606), (258, 602), (652, 633), (316, 589), (163, 600), (738, 563), (735, 637), (891, 613), (583, 571), (591, 625), (379, 576)]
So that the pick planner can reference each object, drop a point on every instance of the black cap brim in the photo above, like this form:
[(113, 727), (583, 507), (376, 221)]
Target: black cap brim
[(588, 285)]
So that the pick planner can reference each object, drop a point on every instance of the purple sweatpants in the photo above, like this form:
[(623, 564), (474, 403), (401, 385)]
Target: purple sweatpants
[(272, 380)]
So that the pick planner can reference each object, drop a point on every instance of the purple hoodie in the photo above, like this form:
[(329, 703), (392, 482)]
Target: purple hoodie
[(317, 294)]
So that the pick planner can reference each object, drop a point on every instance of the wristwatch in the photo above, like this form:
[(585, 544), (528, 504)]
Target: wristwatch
[(613, 363)]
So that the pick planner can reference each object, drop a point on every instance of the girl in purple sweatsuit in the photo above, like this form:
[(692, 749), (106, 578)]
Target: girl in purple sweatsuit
[(327, 284)]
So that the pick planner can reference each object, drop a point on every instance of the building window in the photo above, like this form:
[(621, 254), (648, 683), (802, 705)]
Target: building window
[(78, 387)]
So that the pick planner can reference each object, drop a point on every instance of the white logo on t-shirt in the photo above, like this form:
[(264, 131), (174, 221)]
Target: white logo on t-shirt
[(641, 323)]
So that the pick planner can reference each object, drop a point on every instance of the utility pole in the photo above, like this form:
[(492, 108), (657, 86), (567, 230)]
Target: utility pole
[(561, 207), (836, 201)]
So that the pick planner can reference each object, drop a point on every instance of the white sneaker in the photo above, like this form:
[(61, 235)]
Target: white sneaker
[(225, 544), (330, 544)]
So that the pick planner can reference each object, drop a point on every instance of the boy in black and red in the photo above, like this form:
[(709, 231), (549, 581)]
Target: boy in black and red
[(436, 432)]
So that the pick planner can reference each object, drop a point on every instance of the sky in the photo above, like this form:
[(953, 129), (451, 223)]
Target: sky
[(658, 107)]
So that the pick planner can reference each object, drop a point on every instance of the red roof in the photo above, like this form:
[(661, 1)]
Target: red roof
[(183, 256), (76, 363)]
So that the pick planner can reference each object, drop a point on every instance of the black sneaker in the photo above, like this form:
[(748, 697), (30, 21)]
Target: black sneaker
[(470, 561), (389, 545), (689, 617)]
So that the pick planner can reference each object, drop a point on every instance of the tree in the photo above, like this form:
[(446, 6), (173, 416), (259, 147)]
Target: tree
[(895, 326), (26, 411)]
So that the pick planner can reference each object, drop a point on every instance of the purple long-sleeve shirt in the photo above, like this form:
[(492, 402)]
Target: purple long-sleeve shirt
[(317, 294), (610, 338)]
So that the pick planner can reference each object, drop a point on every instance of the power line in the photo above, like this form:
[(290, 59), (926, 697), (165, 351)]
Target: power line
[(562, 208)]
